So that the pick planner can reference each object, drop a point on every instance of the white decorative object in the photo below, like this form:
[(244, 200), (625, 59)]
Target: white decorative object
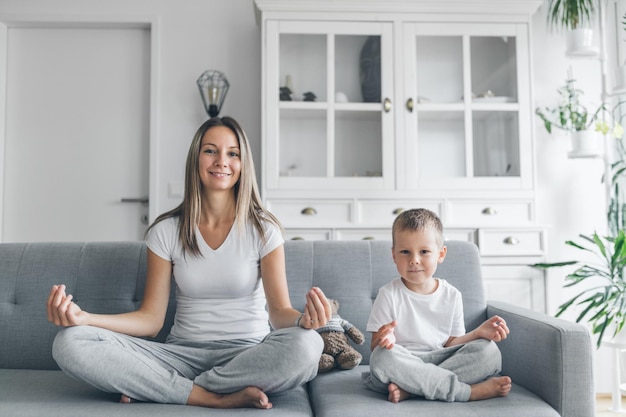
[(340, 97), (586, 144), (580, 43)]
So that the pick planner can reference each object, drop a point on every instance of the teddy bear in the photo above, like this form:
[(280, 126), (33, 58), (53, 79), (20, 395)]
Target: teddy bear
[(337, 349)]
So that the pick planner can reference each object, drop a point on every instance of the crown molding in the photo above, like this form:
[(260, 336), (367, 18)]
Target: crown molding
[(506, 7)]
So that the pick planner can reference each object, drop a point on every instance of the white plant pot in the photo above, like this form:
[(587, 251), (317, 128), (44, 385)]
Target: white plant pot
[(586, 144), (580, 43)]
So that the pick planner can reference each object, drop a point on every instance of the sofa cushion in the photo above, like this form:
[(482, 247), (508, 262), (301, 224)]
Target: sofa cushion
[(32, 393), (335, 393)]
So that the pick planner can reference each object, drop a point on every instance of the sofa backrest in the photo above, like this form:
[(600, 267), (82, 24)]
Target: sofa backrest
[(102, 277), (109, 277)]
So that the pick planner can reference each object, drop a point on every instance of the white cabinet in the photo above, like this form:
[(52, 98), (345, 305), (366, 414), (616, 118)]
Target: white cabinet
[(323, 132), (466, 87), (373, 107)]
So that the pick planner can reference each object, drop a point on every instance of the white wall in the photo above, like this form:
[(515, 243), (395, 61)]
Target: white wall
[(197, 35)]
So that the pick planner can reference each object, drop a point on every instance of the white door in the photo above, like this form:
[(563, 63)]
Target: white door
[(77, 133)]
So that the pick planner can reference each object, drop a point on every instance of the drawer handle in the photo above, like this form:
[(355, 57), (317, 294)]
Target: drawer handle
[(297, 238), (489, 211), (368, 238), (511, 241), (309, 211), (398, 211)]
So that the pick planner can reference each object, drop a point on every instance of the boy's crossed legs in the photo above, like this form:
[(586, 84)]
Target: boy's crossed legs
[(459, 373)]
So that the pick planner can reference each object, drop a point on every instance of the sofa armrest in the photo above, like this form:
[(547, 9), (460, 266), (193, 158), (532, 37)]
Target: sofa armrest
[(551, 357)]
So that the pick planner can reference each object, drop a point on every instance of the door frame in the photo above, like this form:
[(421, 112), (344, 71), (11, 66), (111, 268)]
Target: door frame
[(122, 21)]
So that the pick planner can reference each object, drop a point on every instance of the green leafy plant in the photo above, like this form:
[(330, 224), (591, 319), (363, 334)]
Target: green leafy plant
[(569, 115), (604, 303), (570, 14)]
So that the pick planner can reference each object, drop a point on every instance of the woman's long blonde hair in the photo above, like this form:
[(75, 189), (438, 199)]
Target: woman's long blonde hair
[(249, 206)]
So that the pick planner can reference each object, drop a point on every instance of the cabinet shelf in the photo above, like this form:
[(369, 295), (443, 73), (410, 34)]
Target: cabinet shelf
[(432, 107), (308, 105), (302, 105)]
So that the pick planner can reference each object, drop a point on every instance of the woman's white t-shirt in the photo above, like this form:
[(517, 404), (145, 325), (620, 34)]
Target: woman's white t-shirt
[(425, 322), (219, 294)]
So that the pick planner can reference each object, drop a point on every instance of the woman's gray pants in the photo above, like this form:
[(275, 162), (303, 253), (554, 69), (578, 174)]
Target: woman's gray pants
[(166, 372), (443, 374)]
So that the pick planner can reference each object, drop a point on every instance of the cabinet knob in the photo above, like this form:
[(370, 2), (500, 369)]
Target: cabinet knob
[(398, 211), (387, 105), (511, 241), (297, 238), (489, 211), (308, 211), (368, 238), (409, 105)]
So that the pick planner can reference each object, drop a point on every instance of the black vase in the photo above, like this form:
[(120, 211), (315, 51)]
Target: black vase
[(369, 66)]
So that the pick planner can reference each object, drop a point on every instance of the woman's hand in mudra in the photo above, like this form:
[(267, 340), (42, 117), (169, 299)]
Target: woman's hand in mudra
[(317, 310)]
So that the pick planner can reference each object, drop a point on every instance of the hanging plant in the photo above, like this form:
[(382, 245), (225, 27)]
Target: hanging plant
[(569, 114), (570, 14)]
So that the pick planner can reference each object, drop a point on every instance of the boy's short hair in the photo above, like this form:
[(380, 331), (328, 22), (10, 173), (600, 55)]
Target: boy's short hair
[(418, 219)]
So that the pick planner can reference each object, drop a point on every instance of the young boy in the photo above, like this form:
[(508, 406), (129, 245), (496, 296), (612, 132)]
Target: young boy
[(419, 345)]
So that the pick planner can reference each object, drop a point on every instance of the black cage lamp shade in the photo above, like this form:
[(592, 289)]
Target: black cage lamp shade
[(213, 87)]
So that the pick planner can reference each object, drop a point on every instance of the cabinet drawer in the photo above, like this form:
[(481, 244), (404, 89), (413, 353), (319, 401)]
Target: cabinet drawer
[(364, 234), (466, 235), (383, 213), (518, 285), (489, 213), (511, 242), (306, 234), (318, 213)]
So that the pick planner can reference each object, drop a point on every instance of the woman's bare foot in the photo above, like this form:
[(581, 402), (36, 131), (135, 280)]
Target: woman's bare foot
[(491, 388), (250, 397), (397, 394), (125, 399)]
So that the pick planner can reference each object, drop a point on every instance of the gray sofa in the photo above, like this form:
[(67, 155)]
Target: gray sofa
[(549, 360)]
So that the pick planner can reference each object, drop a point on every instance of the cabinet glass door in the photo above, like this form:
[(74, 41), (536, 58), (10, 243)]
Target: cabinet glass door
[(466, 123), (331, 82)]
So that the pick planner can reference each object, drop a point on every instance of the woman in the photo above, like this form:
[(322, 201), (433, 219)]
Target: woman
[(226, 254)]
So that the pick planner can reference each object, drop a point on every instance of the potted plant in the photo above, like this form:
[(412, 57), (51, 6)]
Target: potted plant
[(572, 116), (570, 14), (574, 16), (603, 303)]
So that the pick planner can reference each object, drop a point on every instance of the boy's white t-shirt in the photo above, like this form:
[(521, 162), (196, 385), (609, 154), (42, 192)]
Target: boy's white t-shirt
[(220, 294), (425, 322)]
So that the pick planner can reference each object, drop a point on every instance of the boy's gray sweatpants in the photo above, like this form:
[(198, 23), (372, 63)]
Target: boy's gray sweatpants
[(443, 374), (166, 372)]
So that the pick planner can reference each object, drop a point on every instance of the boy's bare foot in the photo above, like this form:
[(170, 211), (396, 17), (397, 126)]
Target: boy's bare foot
[(491, 388), (397, 394), (250, 397)]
